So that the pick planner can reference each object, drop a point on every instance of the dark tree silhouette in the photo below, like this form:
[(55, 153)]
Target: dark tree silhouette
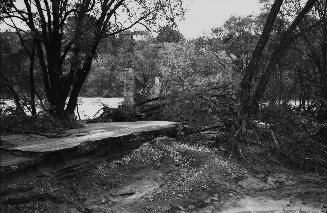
[(64, 62), (168, 34), (252, 67)]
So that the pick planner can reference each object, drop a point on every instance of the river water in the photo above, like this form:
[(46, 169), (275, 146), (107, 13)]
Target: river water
[(87, 107)]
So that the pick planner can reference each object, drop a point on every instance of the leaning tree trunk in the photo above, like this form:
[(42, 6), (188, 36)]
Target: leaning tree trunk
[(286, 39), (319, 56), (81, 77), (252, 67), (14, 94), (32, 83), (322, 112), (322, 115)]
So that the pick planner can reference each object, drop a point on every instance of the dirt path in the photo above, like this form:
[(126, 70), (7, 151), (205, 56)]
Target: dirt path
[(167, 176), (282, 192)]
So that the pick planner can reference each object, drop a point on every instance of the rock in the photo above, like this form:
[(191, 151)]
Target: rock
[(178, 207), (191, 207), (91, 139), (254, 183), (98, 200), (209, 209)]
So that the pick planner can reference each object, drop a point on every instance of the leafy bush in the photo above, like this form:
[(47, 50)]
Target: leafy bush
[(285, 120), (289, 134), (202, 106), (199, 88), (124, 112), (42, 123)]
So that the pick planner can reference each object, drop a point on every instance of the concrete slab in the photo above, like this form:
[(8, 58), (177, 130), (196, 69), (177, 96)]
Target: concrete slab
[(19, 152), (8, 159), (76, 137), (13, 162)]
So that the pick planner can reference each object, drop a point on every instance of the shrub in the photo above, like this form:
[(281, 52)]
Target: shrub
[(124, 112), (289, 134), (202, 106), (42, 123)]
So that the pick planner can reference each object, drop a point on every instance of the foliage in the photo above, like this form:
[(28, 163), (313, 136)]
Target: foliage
[(195, 83), (116, 53), (67, 37), (168, 34), (250, 102), (289, 120), (4, 6), (290, 135), (198, 89), (15, 65), (43, 123), (199, 108), (124, 112), (237, 37)]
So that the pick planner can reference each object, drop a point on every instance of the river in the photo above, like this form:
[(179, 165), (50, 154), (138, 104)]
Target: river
[(87, 107)]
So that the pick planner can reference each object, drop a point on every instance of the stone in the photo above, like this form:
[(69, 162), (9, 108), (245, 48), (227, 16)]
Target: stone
[(21, 151), (89, 134), (129, 87), (156, 87)]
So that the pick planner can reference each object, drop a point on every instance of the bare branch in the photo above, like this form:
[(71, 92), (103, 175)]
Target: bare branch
[(66, 50), (132, 25)]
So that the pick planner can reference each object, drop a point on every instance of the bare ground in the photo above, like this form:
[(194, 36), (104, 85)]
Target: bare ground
[(166, 175)]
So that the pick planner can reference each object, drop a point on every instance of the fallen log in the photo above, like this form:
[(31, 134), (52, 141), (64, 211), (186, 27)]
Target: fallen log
[(150, 100)]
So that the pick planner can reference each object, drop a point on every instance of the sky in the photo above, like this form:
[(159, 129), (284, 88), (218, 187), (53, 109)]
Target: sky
[(203, 15)]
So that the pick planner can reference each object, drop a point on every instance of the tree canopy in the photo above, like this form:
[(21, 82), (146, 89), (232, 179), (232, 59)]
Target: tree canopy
[(69, 32)]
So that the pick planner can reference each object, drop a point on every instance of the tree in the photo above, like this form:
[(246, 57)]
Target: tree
[(4, 6), (12, 69), (254, 63), (28, 45), (168, 34), (316, 42), (286, 39), (250, 100), (64, 64), (237, 38)]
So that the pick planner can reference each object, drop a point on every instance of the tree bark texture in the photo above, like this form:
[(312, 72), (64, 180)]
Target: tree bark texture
[(285, 40), (250, 102), (252, 68)]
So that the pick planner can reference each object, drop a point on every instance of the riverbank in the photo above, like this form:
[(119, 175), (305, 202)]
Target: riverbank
[(87, 107)]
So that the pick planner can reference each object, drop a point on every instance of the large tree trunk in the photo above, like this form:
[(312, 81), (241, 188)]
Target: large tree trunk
[(319, 56), (81, 76), (32, 84), (270, 68), (322, 112), (14, 94), (48, 29), (252, 68), (285, 40), (322, 115)]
